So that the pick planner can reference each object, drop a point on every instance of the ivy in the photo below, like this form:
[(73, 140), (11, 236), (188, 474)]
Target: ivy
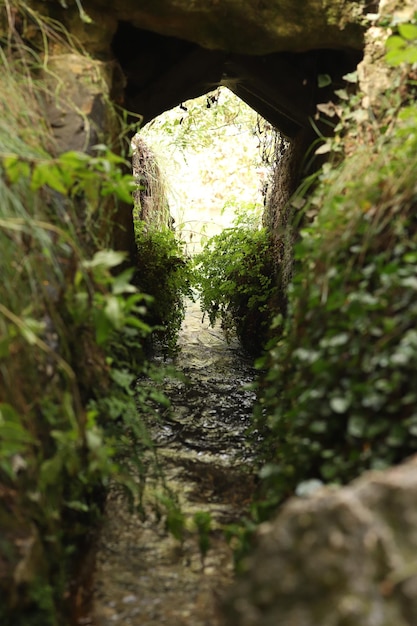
[(337, 391), (164, 272), (401, 47), (236, 283)]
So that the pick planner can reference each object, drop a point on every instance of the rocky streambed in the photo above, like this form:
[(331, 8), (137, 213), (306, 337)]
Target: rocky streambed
[(144, 574)]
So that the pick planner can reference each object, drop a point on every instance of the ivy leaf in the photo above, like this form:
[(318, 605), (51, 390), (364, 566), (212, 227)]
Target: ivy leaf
[(351, 77), (103, 327), (339, 404), (323, 80), (114, 312), (408, 31), (324, 149), (410, 55), (342, 94), (356, 426), (395, 43), (105, 259)]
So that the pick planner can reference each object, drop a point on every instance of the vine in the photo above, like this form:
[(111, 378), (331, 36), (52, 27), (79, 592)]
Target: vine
[(236, 281), (338, 395)]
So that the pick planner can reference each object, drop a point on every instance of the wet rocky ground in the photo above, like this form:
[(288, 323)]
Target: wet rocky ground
[(145, 575)]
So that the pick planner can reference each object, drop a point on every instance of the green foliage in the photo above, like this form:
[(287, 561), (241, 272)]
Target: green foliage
[(401, 47), (212, 148), (165, 274), (199, 122), (203, 524), (236, 281), (74, 172), (72, 331), (338, 394)]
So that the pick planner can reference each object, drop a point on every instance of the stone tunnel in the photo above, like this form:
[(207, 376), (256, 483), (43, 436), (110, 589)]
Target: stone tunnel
[(283, 87), (269, 53)]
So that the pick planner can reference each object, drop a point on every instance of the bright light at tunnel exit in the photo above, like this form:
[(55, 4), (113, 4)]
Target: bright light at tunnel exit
[(215, 154)]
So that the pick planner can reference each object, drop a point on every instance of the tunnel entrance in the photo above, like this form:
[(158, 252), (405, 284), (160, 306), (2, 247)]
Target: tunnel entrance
[(161, 72), (215, 154), (284, 88)]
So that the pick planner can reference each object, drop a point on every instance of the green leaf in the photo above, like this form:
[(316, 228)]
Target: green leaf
[(175, 522), (103, 327), (410, 55), (408, 31), (323, 80), (268, 470), (121, 283), (356, 426), (395, 43), (50, 471), (339, 404), (342, 94), (11, 433), (351, 77), (324, 148), (94, 439), (76, 505), (16, 168), (318, 427), (114, 311), (30, 329), (394, 57), (106, 259), (47, 173)]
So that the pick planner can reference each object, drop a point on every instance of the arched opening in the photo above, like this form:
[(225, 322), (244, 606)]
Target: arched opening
[(161, 72), (215, 153), (204, 169), (285, 88)]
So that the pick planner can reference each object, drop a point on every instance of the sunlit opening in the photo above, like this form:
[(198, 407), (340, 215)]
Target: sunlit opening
[(215, 155)]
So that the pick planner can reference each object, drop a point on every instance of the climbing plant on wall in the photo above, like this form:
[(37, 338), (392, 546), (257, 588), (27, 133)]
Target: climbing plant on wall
[(236, 280), (338, 394)]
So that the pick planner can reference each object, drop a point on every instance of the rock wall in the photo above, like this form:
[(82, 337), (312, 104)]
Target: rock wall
[(228, 25), (341, 557), (79, 95), (151, 202)]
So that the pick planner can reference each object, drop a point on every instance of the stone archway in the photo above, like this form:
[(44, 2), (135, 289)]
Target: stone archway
[(150, 57), (161, 72)]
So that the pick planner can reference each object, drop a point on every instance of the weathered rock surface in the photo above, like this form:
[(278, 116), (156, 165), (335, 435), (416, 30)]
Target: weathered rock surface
[(342, 557), (269, 53), (232, 25), (78, 105)]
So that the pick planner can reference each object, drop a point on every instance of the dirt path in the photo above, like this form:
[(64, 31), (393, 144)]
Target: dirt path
[(144, 576)]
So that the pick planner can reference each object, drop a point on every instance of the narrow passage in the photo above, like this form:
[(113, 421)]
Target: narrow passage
[(144, 576)]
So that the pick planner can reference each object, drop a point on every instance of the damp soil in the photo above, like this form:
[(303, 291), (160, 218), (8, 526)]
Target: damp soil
[(144, 576)]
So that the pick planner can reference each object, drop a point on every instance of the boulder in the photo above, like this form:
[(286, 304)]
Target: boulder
[(340, 557)]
